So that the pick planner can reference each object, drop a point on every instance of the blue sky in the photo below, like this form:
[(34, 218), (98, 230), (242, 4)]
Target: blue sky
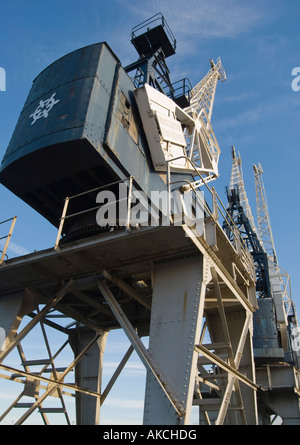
[(255, 109)]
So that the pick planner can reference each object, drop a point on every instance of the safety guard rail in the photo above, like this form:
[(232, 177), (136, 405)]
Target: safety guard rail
[(7, 237), (156, 18), (217, 206), (213, 211), (64, 215)]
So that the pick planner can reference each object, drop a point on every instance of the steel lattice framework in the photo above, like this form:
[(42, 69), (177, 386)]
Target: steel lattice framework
[(201, 142), (263, 217), (203, 94), (237, 179)]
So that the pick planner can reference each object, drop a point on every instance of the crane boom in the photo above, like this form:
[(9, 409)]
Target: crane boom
[(202, 146), (203, 94), (241, 214), (182, 139), (263, 217), (237, 179)]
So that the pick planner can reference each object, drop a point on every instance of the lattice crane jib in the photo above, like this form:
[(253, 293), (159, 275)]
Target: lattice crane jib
[(242, 219), (203, 94), (275, 330), (202, 145), (263, 217), (237, 180)]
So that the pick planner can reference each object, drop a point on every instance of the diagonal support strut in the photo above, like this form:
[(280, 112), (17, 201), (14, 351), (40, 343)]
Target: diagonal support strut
[(139, 346)]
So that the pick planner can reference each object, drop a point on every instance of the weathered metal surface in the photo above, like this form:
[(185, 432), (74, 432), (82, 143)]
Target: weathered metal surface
[(72, 79), (65, 110), (176, 321), (265, 337), (88, 374), (128, 254), (79, 129)]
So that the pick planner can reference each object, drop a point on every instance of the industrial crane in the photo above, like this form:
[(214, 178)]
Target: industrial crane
[(275, 321), (241, 215), (237, 179), (186, 287), (263, 217), (123, 137), (279, 279)]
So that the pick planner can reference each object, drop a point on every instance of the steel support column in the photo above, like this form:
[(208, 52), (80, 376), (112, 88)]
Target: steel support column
[(88, 374), (176, 318)]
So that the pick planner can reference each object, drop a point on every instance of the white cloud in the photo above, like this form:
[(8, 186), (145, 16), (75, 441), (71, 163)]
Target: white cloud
[(263, 110), (203, 19), (18, 250), (15, 248), (243, 96), (131, 369), (129, 365), (215, 19), (127, 404), (247, 117)]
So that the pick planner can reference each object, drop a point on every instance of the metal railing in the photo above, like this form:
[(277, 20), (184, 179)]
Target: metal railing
[(213, 211), (156, 18), (7, 237), (64, 215), (180, 88)]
